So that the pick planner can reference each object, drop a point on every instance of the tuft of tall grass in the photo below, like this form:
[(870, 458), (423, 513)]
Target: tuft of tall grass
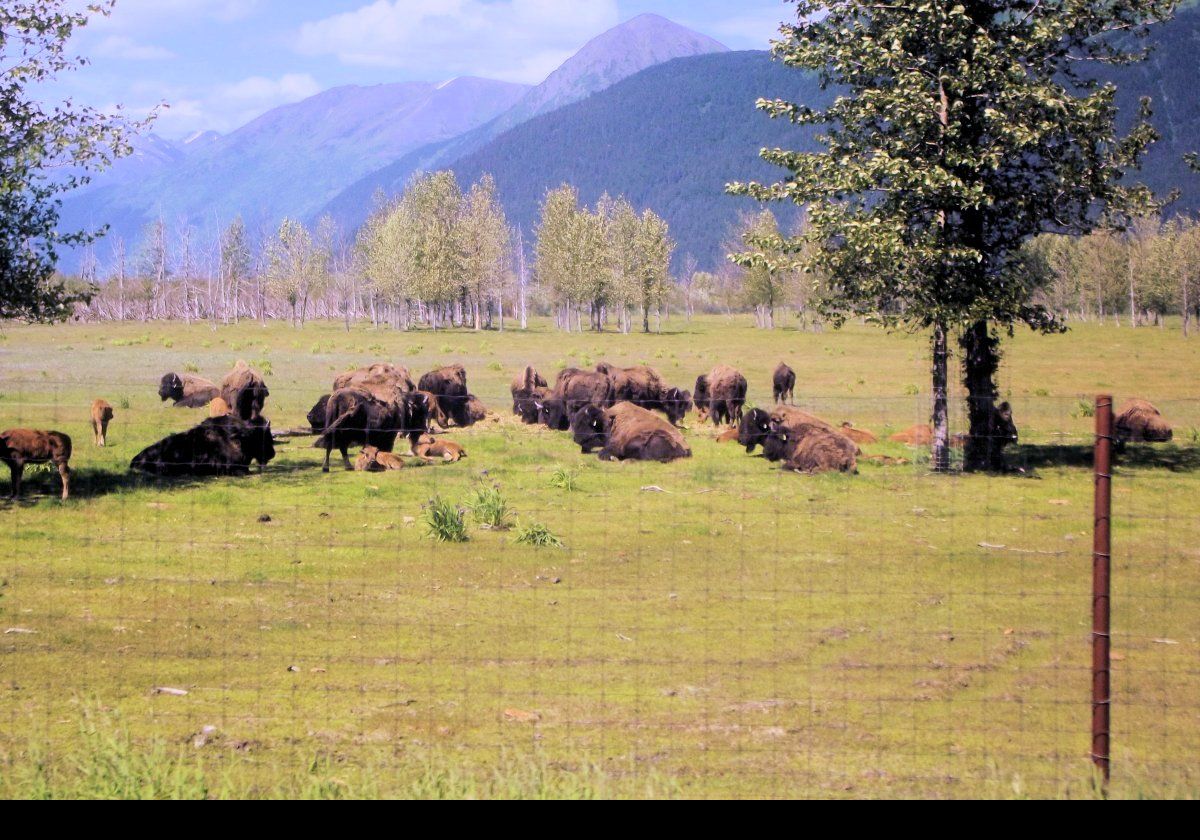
[(489, 507), (444, 521), (537, 535), (565, 478)]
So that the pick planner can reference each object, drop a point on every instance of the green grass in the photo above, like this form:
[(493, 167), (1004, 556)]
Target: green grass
[(713, 627)]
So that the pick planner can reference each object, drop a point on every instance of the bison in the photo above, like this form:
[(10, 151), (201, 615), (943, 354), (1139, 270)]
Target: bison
[(102, 413), (449, 385), (859, 436), (643, 386), (721, 394), (219, 408), (316, 414), (372, 460), (784, 384), (627, 432), (353, 417), (758, 426), (219, 446), (919, 435), (383, 381), (186, 390), (244, 391), (552, 413), (999, 431), (819, 449), (577, 388), (430, 449), (1139, 422), (524, 385), (19, 447)]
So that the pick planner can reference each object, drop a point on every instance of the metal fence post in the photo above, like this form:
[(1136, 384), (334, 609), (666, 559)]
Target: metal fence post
[(1101, 587)]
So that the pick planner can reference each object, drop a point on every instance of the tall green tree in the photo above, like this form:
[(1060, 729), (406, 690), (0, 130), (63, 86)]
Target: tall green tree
[(46, 150), (964, 128)]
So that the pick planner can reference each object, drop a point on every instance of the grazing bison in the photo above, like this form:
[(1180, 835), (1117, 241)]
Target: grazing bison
[(721, 394), (430, 449), (449, 385), (19, 447), (355, 418), (372, 460), (627, 432), (819, 449), (784, 384), (219, 446), (999, 431), (316, 415), (186, 390), (859, 436), (102, 412), (244, 391), (1139, 422), (383, 381)]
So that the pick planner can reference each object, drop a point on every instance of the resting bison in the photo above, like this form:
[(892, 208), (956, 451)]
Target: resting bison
[(381, 380), (19, 447), (528, 406), (920, 435), (187, 391), (355, 418), (430, 449), (758, 426), (784, 384), (577, 388), (627, 432), (316, 415), (102, 412), (721, 394), (859, 436), (1140, 421), (218, 446), (644, 387), (526, 384), (449, 385), (244, 391), (372, 460), (818, 449)]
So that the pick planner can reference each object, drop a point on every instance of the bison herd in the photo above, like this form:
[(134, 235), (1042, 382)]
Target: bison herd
[(620, 413)]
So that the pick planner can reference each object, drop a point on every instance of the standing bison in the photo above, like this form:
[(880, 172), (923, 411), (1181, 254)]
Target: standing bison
[(627, 432), (244, 391), (783, 385), (186, 390), (19, 447), (219, 446), (449, 385), (644, 387), (721, 394), (998, 432), (355, 418), (102, 414)]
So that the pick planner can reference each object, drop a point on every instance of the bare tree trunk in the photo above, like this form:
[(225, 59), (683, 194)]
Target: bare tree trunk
[(1186, 307), (941, 418)]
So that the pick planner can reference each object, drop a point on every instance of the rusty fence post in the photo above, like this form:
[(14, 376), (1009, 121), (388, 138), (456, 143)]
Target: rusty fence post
[(1101, 587)]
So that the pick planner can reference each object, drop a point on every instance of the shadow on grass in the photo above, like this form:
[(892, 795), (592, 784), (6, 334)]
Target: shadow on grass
[(1138, 456)]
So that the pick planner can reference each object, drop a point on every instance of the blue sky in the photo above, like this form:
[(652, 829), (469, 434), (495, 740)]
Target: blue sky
[(219, 63)]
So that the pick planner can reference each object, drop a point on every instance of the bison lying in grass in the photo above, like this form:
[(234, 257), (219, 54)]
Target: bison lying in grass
[(817, 449), (526, 384), (758, 425), (219, 446), (627, 432), (244, 391), (721, 394), (1141, 422), (187, 391), (19, 447), (355, 418)]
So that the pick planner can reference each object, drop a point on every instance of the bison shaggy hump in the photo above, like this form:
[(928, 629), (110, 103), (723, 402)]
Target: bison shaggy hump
[(721, 394), (244, 391), (628, 432), (579, 388), (381, 380), (1140, 421), (821, 450), (186, 390), (218, 446)]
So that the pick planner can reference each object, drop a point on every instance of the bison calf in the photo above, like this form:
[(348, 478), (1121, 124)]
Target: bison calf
[(447, 450), (102, 412), (373, 460), (19, 447), (627, 432)]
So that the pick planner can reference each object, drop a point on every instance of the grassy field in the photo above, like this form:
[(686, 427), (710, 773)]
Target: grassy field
[(712, 627)]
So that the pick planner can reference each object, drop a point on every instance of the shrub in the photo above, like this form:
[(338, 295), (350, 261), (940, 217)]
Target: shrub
[(444, 521), (489, 508), (537, 535)]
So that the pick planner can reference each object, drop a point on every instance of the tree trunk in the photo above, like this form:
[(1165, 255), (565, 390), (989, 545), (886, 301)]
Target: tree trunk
[(981, 359), (1186, 308), (940, 419)]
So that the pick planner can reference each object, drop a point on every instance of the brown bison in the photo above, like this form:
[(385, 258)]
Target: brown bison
[(758, 425), (354, 417), (552, 413), (102, 413), (381, 380), (316, 414), (186, 390), (19, 447), (372, 460), (919, 435), (721, 394), (859, 436), (525, 383), (627, 432), (1139, 422), (430, 449), (449, 385), (219, 408), (818, 449), (244, 391), (219, 446), (577, 388), (784, 384), (643, 386)]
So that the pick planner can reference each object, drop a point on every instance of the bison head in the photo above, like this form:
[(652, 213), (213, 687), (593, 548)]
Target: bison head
[(1004, 430), (171, 387), (415, 412), (476, 410), (754, 429), (676, 403), (777, 442), (701, 397), (316, 417), (258, 444), (553, 413), (590, 428)]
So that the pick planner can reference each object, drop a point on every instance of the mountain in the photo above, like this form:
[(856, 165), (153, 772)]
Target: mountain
[(670, 138), (289, 161), (623, 51)]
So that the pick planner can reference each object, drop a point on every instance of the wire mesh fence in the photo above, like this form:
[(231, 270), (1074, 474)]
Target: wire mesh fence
[(714, 626)]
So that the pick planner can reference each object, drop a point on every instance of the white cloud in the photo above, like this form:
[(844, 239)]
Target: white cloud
[(517, 40), (123, 47)]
